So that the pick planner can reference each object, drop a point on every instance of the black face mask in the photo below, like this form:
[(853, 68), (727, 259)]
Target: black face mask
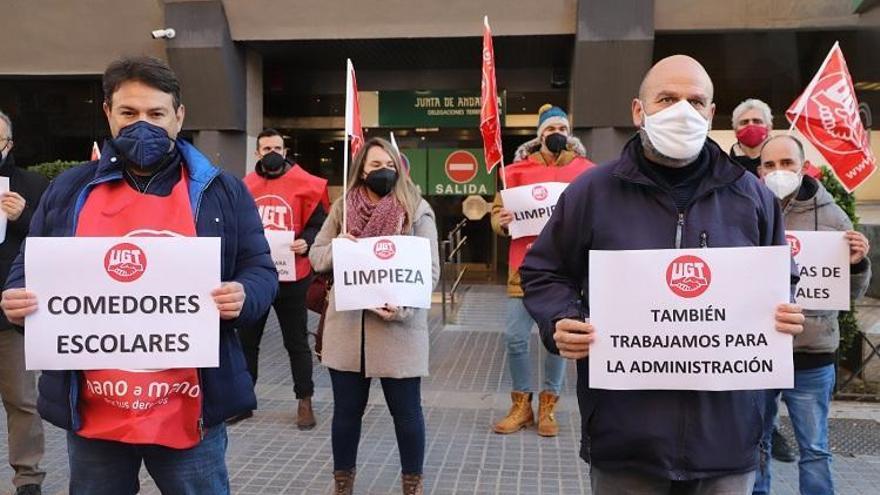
[(381, 181), (272, 162), (556, 142)]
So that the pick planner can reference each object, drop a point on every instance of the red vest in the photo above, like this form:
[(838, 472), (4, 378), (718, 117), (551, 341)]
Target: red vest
[(287, 202), (531, 172), (139, 407)]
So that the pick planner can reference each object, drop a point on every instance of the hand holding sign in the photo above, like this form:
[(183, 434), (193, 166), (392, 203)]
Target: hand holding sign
[(12, 204), (858, 246), (17, 304), (573, 338), (504, 217), (299, 246), (387, 313), (229, 298), (789, 319)]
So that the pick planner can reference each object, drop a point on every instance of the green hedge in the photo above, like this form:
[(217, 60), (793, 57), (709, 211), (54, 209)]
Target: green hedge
[(50, 170), (849, 324)]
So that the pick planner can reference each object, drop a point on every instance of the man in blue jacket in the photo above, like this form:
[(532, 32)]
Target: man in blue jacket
[(148, 179), (670, 188)]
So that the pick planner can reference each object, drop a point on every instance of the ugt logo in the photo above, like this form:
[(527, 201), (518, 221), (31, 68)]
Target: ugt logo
[(688, 276), (794, 243), (539, 192), (125, 262), (384, 249), (275, 212)]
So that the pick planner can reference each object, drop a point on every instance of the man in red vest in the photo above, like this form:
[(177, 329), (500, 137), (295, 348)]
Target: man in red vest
[(553, 156), (150, 182), (288, 199)]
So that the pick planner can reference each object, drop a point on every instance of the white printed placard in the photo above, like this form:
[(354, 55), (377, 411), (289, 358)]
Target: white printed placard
[(374, 271), (4, 220), (690, 319), (131, 303), (823, 263), (280, 242), (531, 206)]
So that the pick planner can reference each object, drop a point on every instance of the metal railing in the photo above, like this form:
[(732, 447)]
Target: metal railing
[(450, 254)]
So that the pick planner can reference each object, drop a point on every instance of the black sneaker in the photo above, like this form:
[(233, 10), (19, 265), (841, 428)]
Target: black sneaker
[(241, 417), (782, 450), (29, 490)]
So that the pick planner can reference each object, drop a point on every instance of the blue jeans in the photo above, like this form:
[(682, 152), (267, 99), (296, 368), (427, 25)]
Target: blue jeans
[(517, 336), (808, 403), (100, 467), (404, 398)]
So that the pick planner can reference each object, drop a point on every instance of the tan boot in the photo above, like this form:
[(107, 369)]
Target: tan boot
[(520, 415), (412, 484), (305, 417), (547, 425), (343, 482)]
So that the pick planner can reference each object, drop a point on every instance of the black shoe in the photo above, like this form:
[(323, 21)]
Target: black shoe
[(29, 490), (241, 417), (782, 450)]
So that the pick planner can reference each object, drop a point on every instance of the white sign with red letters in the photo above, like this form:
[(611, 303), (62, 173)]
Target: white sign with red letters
[(374, 271), (823, 263), (134, 303), (531, 206), (690, 319)]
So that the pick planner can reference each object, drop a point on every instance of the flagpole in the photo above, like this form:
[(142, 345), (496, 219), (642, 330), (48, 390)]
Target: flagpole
[(348, 116), (802, 102), (345, 186)]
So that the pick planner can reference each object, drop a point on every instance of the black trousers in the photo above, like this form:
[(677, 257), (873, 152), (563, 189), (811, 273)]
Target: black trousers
[(290, 306)]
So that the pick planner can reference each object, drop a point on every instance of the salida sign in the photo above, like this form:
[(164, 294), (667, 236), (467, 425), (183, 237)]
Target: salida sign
[(458, 172)]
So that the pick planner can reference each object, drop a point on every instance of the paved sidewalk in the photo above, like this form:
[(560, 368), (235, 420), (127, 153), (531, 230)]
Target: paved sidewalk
[(467, 391)]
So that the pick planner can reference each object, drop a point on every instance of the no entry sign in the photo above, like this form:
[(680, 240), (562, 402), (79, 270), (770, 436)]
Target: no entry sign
[(461, 166)]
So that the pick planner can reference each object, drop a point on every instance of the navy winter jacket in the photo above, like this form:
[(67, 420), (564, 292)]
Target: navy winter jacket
[(677, 435), (223, 208)]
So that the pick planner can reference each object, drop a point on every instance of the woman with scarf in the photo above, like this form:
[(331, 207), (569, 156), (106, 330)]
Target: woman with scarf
[(390, 343)]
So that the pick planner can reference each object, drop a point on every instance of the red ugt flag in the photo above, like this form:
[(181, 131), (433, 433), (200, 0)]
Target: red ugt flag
[(827, 114), (352, 111), (490, 126)]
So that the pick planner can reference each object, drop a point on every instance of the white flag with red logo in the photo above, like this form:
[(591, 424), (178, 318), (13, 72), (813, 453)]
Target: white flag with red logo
[(96, 152), (827, 114), (490, 123), (353, 128)]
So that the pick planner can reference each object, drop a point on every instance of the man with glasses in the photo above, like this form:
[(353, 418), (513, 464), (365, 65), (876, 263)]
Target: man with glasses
[(18, 386)]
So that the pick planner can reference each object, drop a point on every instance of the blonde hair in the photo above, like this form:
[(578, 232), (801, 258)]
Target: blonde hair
[(405, 190)]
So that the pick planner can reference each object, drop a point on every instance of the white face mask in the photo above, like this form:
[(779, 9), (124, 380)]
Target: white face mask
[(783, 183), (678, 131)]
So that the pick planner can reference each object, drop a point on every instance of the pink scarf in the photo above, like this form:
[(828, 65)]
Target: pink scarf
[(368, 219)]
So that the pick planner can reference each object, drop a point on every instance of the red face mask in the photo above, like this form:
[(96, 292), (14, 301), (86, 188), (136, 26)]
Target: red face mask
[(752, 135)]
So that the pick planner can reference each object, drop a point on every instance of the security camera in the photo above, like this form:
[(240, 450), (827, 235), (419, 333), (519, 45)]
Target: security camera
[(167, 33)]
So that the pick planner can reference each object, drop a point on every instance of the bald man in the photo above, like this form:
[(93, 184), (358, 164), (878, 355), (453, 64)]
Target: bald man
[(671, 187), (807, 205)]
